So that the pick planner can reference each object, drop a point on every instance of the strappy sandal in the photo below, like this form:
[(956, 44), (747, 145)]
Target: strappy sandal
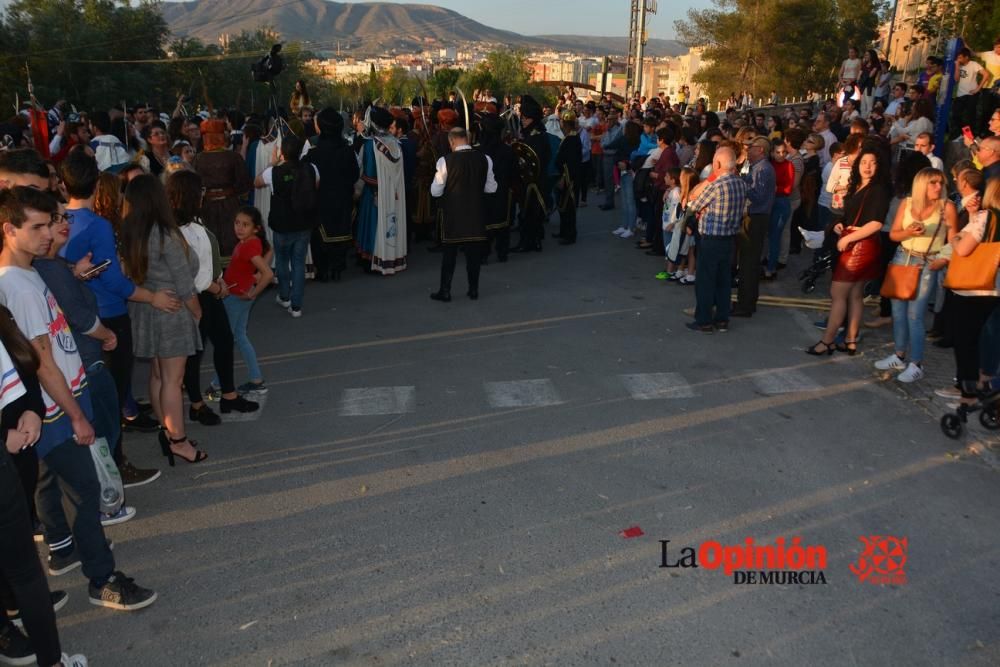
[(817, 352)]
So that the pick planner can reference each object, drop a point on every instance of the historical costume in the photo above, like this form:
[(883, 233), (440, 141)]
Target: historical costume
[(422, 211), (569, 167), (225, 178), (533, 155), (462, 180), (382, 209), (338, 171), (500, 204)]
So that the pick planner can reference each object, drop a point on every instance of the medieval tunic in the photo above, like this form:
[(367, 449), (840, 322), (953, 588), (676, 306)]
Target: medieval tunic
[(338, 171), (382, 209), (225, 178)]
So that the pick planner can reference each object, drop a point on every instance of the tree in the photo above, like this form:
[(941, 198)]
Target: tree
[(443, 81), (810, 39), (975, 21)]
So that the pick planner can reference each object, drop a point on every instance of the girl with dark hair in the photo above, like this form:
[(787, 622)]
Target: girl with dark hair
[(156, 256), (300, 98), (865, 208), (248, 274), (630, 139), (184, 193)]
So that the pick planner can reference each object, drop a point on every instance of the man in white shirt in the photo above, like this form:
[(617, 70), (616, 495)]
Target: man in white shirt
[(895, 106), (970, 78), (924, 143), (821, 126)]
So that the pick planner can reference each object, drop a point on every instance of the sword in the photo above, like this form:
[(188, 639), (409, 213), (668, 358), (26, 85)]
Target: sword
[(465, 106)]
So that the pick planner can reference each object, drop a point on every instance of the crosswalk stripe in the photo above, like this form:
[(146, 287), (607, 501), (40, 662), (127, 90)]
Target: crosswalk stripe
[(784, 382), (650, 386), (366, 401), (522, 393)]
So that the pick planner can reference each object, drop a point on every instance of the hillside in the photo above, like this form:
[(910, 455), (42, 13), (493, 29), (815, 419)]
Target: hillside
[(372, 27)]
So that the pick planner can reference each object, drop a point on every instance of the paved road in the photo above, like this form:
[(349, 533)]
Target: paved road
[(448, 484)]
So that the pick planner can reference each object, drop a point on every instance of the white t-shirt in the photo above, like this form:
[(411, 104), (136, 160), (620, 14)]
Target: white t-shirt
[(852, 69), (968, 78), (37, 314), (992, 61), (11, 387), (197, 238)]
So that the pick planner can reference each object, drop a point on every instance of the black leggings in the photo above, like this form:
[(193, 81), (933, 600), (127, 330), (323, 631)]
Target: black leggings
[(120, 362), (969, 314), (24, 585), (214, 326)]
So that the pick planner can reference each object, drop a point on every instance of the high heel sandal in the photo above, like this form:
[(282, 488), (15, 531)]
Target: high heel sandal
[(166, 441), (816, 352), (849, 347)]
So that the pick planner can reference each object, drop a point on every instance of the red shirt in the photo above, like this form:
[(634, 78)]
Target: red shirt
[(241, 270), (784, 177)]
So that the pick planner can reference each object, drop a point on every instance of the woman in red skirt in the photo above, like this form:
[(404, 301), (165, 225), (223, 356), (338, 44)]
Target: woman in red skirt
[(865, 208)]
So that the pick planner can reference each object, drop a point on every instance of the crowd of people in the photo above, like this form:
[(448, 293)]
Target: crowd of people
[(133, 234)]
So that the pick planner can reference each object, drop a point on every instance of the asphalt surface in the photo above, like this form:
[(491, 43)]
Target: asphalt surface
[(448, 484)]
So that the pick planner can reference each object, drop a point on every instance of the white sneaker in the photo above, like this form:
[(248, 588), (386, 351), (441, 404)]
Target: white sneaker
[(679, 274), (125, 513), (687, 280), (891, 363), (619, 231), (627, 234), (77, 660), (295, 312), (281, 302), (911, 374)]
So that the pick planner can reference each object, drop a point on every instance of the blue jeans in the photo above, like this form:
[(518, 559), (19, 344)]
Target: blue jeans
[(238, 311), (713, 279), (908, 329), (781, 212), (628, 201), (104, 401), (290, 260)]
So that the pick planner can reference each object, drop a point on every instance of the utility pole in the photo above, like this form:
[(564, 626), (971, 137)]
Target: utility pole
[(636, 43)]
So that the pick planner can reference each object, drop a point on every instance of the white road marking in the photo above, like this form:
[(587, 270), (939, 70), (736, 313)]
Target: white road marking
[(784, 382), (367, 401), (650, 386), (522, 393)]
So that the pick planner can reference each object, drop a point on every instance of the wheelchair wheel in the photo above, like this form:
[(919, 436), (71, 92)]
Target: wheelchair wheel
[(989, 419), (951, 426)]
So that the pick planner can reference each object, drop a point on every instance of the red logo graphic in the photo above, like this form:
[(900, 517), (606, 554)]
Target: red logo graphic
[(882, 560)]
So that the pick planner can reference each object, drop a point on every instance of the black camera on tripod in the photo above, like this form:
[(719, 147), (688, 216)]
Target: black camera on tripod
[(268, 67)]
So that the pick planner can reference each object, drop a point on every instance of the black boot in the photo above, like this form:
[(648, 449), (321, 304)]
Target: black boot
[(442, 294)]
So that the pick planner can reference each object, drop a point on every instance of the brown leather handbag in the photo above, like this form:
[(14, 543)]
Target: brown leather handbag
[(977, 270), (902, 280)]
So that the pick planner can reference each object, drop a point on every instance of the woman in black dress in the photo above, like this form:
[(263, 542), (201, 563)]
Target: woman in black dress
[(865, 209)]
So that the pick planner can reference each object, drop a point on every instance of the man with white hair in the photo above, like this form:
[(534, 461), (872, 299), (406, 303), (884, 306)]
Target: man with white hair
[(719, 207)]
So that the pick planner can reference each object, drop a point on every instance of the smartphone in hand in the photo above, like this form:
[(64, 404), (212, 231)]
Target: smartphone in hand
[(94, 270)]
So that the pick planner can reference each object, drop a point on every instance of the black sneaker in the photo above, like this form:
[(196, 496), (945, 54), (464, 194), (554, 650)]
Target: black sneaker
[(58, 598), (132, 476), (204, 416), (238, 404), (141, 423), (15, 649), (122, 593)]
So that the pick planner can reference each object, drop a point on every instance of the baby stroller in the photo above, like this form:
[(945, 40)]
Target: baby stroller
[(823, 259), (988, 407)]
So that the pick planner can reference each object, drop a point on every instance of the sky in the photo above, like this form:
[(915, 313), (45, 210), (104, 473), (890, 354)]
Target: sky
[(574, 17)]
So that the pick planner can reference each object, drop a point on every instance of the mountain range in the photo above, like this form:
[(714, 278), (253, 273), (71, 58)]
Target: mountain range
[(373, 28)]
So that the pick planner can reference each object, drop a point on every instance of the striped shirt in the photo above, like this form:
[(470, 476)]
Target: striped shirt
[(721, 205)]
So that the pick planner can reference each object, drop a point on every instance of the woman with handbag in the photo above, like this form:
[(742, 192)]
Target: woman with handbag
[(866, 205), (924, 223), (972, 277)]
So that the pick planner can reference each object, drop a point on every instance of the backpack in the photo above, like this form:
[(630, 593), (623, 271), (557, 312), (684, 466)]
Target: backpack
[(305, 196)]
